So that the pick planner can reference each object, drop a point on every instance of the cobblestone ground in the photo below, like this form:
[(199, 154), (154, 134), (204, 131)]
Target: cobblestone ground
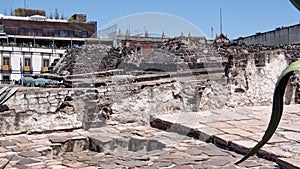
[(121, 146)]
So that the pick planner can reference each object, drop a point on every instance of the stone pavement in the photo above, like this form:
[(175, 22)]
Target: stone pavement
[(207, 139), (239, 130), (125, 146)]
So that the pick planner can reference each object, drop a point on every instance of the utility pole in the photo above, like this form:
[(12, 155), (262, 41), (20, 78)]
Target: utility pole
[(221, 31)]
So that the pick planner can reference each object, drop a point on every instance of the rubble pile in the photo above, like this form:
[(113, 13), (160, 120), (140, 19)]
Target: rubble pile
[(239, 54), (243, 65), (91, 58), (81, 60), (193, 51), (114, 58)]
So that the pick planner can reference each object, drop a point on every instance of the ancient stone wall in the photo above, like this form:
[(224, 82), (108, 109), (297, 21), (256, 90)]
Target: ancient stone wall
[(255, 85), (34, 110), (183, 75), (252, 85), (40, 110)]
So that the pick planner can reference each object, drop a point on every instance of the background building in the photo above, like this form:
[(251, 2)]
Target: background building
[(29, 45), (279, 36), (143, 45)]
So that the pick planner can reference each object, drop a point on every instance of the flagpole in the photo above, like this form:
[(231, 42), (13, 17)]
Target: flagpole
[(221, 31)]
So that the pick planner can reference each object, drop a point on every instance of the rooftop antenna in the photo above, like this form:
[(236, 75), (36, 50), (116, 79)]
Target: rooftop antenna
[(221, 31)]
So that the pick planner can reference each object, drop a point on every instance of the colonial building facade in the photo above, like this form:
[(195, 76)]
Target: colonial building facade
[(29, 45)]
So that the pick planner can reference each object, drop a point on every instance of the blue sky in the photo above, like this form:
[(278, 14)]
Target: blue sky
[(240, 17)]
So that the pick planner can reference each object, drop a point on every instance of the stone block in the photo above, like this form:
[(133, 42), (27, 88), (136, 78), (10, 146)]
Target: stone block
[(52, 100), (42, 101), (51, 94), (28, 154), (237, 131), (45, 151), (33, 101), (272, 152), (242, 146), (42, 94), (19, 96), (225, 139), (101, 143), (52, 108), (63, 92), (30, 95)]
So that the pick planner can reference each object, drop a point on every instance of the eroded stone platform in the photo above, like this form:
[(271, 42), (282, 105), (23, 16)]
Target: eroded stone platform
[(121, 146), (240, 129)]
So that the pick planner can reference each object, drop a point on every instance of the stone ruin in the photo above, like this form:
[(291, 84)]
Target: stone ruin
[(98, 86), (115, 85), (188, 57)]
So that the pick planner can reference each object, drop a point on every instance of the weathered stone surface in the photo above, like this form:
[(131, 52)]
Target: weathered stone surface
[(295, 136), (132, 163), (26, 161), (30, 154), (242, 140), (289, 163), (75, 165), (238, 132), (225, 139), (217, 162)]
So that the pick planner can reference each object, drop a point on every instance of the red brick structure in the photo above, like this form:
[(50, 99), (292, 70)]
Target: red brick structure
[(142, 45), (46, 28)]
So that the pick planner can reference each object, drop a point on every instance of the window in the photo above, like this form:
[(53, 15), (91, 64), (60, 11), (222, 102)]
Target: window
[(27, 62), (63, 33), (1, 29), (31, 31), (5, 61), (22, 31), (56, 33), (139, 49), (40, 32), (71, 33), (5, 79), (46, 62), (84, 34)]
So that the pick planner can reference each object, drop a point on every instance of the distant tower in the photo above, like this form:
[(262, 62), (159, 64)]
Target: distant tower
[(127, 33)]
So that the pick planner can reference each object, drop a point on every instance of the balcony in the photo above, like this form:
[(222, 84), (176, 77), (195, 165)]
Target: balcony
[(6, 69), (27, 68), (45, 69)]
